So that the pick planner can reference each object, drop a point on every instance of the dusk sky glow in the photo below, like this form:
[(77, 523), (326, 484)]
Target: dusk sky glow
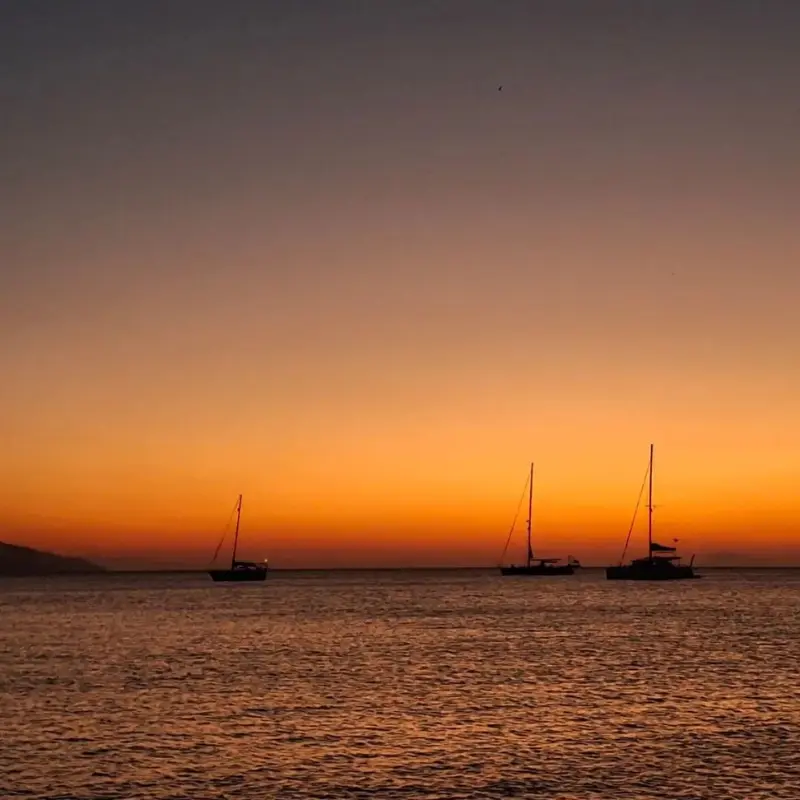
[(310, 253)]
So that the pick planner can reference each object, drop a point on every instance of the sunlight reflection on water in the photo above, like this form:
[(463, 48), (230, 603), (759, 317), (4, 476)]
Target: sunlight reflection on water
[(415, 684)]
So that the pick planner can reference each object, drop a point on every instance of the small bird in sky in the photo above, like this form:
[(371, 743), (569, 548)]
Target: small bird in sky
[(500, 88)]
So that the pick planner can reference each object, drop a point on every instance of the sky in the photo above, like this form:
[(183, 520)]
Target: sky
[(364, 261)]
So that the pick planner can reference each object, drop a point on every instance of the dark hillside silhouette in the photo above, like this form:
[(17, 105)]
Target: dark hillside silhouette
[(18, 560)]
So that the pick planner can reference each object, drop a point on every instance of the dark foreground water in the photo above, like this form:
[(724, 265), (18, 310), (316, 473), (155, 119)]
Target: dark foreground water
[(407, 684)]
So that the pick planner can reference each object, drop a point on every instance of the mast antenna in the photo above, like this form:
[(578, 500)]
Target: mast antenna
[(236, 534), (530, 514), (650, 510)]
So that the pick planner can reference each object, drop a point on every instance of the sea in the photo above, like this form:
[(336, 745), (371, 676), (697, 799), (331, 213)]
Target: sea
[(401, 684)]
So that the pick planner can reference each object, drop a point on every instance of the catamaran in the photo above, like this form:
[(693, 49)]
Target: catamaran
[(239, 570), (652, 567), (537, 566)]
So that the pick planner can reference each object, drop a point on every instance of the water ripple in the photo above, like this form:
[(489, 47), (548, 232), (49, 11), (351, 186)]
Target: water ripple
[(406, 685)]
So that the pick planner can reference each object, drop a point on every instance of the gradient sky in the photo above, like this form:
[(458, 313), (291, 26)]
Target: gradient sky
[(309, 252)]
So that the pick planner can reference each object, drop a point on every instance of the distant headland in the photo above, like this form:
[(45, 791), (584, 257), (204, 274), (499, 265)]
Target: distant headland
[(16, 560)]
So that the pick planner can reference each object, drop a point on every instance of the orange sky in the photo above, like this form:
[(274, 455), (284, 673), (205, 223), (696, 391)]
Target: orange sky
[(364, 288)]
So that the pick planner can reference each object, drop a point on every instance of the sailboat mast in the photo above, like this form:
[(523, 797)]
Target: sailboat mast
[(650, 509), (236, 534), (530, 514)]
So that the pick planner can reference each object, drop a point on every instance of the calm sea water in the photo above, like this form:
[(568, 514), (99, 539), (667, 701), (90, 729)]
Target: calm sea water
[(455, 684)]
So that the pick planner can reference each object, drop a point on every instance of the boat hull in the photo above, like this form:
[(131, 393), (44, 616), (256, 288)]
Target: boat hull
[(547, 569), (237, 575), (630, 572)]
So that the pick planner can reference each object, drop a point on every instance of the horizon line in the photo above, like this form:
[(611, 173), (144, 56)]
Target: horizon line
[(200, 570)]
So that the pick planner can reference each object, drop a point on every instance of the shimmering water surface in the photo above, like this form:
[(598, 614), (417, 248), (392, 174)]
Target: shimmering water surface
[(456, 684)]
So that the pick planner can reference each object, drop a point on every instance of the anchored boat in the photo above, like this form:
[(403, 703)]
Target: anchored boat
[(537, 566), (656, 566), (239, 570)]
